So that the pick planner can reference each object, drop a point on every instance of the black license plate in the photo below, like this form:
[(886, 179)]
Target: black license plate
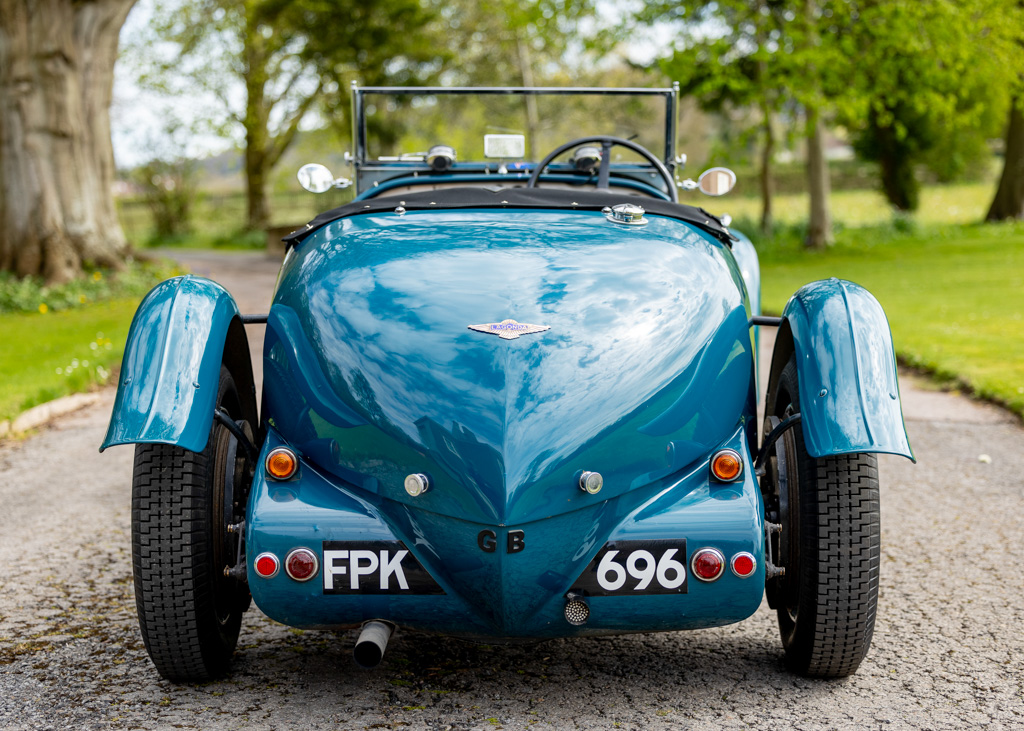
[(623, 568), (374, 567)]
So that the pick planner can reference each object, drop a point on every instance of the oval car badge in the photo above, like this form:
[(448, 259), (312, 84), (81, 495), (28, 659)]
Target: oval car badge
[(509, 329)]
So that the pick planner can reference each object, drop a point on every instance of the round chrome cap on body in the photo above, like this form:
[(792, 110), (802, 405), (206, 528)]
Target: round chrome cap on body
[(266, 565), (707, 564), (591, 482), (629, 214), (301, 564), (281, 463), (743, 564), (577, 609), (417, 484)]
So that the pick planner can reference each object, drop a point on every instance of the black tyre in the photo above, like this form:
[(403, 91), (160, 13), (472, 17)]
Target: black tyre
[(829, 545), (182, 503)]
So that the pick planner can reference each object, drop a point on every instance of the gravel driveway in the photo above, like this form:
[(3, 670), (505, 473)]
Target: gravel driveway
[(948, 650)]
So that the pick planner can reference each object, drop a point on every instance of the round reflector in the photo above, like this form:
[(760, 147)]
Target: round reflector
[(743, 564), (726, 465), (707, 564), (267, 565), (281, 463), (301, 564)]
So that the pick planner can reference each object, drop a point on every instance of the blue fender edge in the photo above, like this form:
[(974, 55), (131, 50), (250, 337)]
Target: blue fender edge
[(846, 366), (182, 332)]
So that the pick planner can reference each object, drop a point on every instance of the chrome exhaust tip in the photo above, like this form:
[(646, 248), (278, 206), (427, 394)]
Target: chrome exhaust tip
[(372, 642), (577, 609)]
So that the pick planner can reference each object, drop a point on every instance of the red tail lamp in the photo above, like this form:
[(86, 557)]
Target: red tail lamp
[(301, 564), (281, 463), (726, 465), (707, 564), (267, 565)]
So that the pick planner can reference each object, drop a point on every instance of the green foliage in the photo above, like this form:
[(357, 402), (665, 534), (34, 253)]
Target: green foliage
[(290, 57), (930, 85), (98, 285)]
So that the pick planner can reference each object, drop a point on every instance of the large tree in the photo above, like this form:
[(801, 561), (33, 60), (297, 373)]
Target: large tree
[(289, 56), (736, 67), (56, 161), (927, 80), (761, 54), (1008, 202)]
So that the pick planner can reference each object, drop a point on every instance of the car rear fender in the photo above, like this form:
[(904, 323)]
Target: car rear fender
[(182, 332), (849, 393)]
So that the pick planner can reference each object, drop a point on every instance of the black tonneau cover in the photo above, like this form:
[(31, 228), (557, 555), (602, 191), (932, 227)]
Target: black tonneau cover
[(521, 198)]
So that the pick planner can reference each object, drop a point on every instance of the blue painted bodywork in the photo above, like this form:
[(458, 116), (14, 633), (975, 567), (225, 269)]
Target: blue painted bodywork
[(649, 354), (509, 596), (849, 393), (171, 367)]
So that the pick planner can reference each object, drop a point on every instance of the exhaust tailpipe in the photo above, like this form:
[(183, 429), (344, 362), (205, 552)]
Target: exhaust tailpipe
[(373, 640)]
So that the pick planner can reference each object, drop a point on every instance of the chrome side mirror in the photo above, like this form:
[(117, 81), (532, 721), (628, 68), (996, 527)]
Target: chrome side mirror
[(713, 181), (316, 178), (716, 181)]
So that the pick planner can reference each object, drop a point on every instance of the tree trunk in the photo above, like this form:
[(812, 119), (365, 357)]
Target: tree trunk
[(767, 153), (56, 160), (819, 227), (532, 115), (257, 127), (1009, 200), (257, 208)]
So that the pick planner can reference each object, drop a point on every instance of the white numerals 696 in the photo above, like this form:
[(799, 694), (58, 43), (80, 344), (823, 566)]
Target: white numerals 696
[(642, 566)]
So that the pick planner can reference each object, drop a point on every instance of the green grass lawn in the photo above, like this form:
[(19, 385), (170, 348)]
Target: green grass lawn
[(50, 355), (940, 204), (954, 296)]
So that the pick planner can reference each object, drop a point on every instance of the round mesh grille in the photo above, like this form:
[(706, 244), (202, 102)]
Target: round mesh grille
[(576, 612)]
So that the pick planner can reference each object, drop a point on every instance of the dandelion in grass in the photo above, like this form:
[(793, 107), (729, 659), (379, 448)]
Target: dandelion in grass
[(43, 309), (97, 276), (81, 299)]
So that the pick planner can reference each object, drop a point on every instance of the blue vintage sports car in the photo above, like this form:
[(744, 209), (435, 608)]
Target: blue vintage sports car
[(507, 397)]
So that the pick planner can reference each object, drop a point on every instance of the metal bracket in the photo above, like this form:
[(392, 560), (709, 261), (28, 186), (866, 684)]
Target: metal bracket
[(237, 572), (771, 570)]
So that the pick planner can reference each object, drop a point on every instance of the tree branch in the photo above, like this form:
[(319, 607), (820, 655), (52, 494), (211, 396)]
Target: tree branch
[(284, 139)]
